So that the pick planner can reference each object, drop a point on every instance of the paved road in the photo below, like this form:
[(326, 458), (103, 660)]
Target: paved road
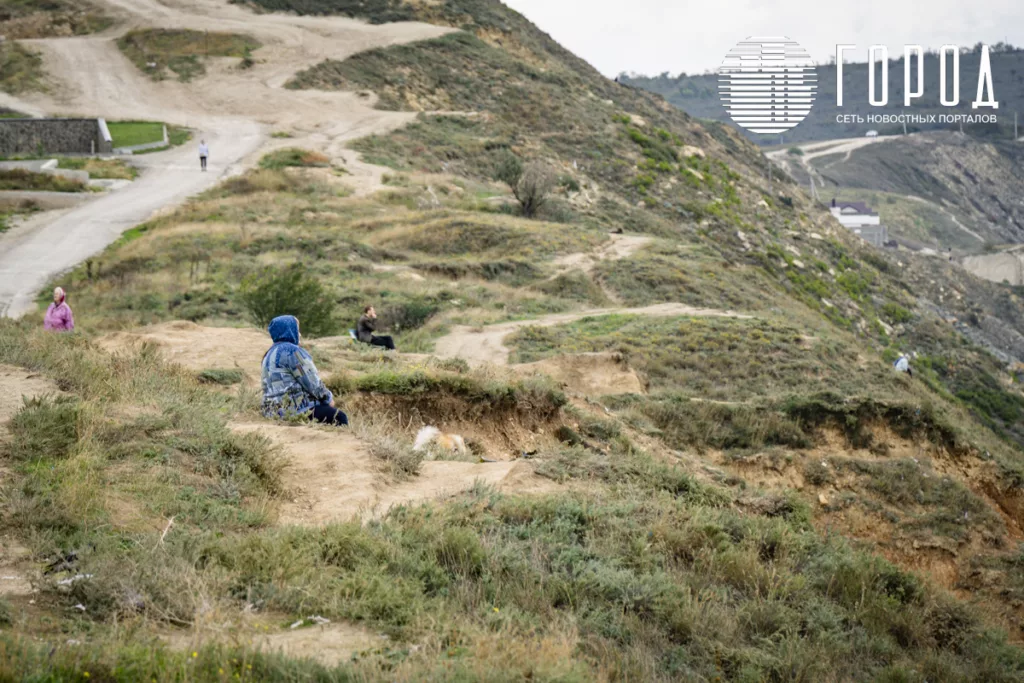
[(234, 110), (29, 259)]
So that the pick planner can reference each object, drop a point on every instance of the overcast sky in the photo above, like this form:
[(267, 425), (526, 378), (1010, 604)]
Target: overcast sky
[(652, 36)]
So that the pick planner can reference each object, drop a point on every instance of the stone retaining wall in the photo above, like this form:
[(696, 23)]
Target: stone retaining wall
[(53, 136)]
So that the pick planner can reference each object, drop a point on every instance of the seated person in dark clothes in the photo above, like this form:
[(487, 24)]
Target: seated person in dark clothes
[(365, 329), (291, 383)]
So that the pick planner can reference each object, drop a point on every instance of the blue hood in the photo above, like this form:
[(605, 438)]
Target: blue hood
[(284, 329)]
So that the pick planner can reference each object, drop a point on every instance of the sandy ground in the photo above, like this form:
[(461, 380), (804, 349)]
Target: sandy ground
[(233, 110), (479, 346), (16, 384), (617, 248), (330, 644), (332, 476), (588, 374), (197, 347)]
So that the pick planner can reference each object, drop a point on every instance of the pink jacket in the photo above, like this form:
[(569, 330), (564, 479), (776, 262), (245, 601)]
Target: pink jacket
[(59, 318)]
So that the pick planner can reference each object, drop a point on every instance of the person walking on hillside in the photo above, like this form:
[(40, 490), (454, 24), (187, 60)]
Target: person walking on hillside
[(366, 327), (59, 317), (204, 152), (903, 365), (291, 384)]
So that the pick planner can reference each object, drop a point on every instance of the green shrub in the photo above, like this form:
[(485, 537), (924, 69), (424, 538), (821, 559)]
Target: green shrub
[(46, 427), (408, 315), (294, 157), (531, 183), (374, 11), (896, 314), (456, 365), (290, 292)]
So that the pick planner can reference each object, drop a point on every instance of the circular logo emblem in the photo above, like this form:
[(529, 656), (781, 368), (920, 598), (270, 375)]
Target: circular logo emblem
[(767, 84)]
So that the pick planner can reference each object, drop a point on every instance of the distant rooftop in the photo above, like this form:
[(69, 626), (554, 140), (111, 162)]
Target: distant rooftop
[(853, 207)]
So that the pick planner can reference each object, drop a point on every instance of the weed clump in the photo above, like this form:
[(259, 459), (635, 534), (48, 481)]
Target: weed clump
[(19, 179), (294, 158), (292, 291), (46, 427), (222, 377)]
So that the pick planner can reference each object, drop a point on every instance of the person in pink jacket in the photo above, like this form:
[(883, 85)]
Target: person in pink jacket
[(58, 316)]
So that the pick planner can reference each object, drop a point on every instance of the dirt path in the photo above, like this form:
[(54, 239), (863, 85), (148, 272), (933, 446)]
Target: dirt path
[(618, 247), (233, 110), (333, 477), (813, 150), (479, 346), (16, 568), (949, 214), (29, 258), (330, 644), (197, 347)]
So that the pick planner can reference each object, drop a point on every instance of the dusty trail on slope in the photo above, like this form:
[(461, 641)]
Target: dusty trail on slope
[(232, 109), (949, 214), (617, 248), (332, 476), (479, 346), (813, 150), (16, 384)]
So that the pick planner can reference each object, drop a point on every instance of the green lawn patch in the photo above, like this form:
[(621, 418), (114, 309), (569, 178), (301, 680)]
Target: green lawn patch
[(131, 133)]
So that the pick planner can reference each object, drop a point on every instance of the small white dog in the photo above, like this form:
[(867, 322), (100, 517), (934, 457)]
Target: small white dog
[(428, 436)]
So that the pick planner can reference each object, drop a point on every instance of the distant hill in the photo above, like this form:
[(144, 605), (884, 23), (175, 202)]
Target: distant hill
[(939, 189), (697, 95)]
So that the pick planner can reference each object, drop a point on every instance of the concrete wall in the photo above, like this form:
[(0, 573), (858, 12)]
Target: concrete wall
[(876, 235), (53, 136)]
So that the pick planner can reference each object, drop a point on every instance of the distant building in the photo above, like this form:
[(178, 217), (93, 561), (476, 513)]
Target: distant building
[(859, 219)]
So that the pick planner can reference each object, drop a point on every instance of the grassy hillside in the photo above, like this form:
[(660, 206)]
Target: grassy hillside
[(21, 69), (698, 96), (155, 51), (976, 180), (49, 18), (775, 503)]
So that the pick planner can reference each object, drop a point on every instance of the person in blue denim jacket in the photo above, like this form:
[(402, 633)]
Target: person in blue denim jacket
[(291, 383)]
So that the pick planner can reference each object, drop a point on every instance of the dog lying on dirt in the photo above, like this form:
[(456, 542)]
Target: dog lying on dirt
[(433, 437)]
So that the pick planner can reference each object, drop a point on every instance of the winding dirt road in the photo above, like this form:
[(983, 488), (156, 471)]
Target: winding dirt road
[(234, 110)]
